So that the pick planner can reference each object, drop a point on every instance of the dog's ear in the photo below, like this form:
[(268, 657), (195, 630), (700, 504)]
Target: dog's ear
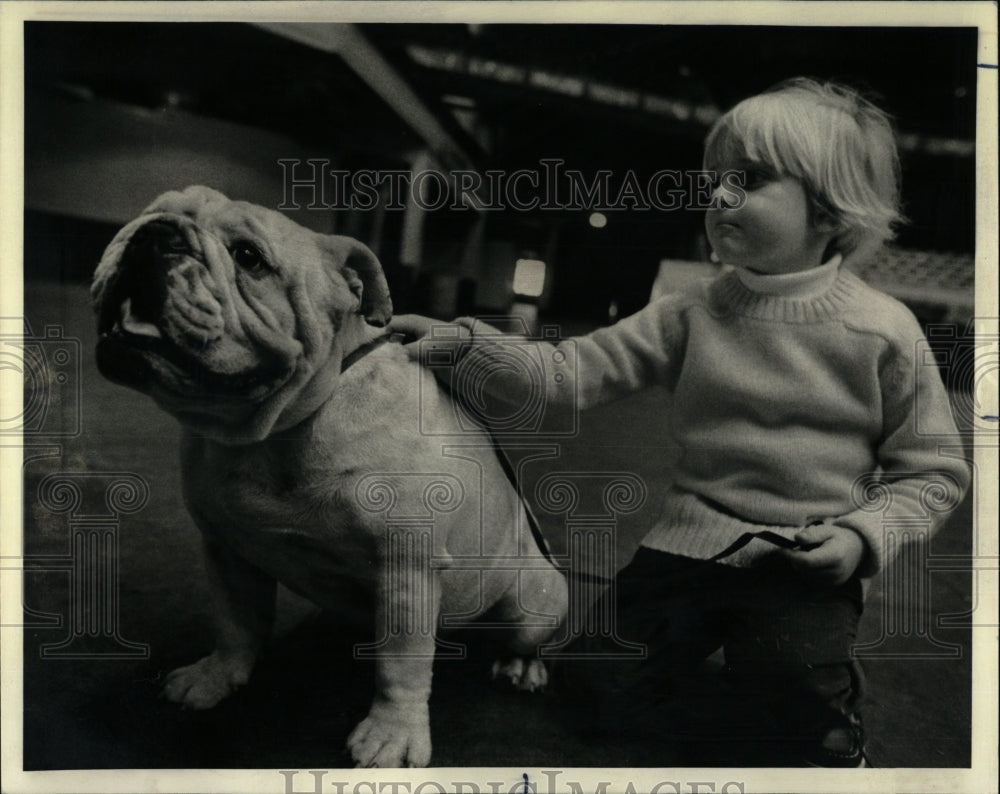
[(363, 273)]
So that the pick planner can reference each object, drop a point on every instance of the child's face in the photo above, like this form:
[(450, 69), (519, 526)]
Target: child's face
[(772, 231)]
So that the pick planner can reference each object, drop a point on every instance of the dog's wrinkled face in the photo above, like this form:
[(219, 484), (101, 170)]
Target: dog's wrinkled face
[(229, 314)]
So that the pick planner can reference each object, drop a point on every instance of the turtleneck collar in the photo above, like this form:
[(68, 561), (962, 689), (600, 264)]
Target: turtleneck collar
[(822, 297), (802, 284)]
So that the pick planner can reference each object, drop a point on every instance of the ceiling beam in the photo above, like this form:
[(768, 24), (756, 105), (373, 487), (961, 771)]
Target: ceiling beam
[(348, 42)]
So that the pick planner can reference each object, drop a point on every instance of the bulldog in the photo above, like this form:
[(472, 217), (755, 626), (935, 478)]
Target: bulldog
[(306, 458)]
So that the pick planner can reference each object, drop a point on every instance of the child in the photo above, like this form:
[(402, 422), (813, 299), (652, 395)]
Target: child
[(792, 382)]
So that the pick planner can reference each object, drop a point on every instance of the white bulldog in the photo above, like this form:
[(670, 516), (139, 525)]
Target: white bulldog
[(303, 458)]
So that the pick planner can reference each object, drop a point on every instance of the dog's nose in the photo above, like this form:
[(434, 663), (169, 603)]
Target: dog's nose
[(149, 256), (158, 239)]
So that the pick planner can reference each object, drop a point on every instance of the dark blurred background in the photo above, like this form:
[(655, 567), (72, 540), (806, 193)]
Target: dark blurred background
[(118, 112)]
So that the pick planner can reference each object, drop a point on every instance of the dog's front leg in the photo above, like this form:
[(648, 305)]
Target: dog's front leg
[(243, 604), (396, 731)]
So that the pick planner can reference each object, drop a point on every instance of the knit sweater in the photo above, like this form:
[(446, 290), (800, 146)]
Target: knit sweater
[(789, 409)]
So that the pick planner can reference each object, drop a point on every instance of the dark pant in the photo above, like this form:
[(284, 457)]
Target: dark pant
[(788, 678)]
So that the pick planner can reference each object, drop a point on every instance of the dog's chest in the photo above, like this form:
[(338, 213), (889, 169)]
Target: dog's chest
[(249, 485), (267, 498)]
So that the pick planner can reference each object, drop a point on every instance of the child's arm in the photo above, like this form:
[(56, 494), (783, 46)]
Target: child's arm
[(922, 475), (580, 372)]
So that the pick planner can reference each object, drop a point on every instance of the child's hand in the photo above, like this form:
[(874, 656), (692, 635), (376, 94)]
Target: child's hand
[(835, 553), (412, 326), (416, 327)]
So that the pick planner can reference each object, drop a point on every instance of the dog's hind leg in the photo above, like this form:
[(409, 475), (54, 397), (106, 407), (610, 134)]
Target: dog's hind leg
[(535, 604), (243, 604)]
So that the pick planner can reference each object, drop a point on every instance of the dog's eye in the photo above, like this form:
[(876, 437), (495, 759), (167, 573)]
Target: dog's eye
[(249, 257)]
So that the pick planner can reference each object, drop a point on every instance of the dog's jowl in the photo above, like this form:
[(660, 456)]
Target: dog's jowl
[(301, 441)]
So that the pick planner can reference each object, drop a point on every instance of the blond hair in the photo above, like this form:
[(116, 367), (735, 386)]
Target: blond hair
[(840, 145)]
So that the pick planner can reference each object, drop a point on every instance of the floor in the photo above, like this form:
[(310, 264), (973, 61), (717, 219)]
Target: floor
[(83, 709)]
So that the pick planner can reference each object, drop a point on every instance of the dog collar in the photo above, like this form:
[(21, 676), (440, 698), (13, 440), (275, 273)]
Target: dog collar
[(359, 353)]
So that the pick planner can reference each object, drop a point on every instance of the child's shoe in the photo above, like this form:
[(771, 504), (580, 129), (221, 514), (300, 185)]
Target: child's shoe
[(842, 746)]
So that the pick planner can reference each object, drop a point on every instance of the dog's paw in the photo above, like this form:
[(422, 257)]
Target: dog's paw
[(207, 681), (392, 736), (518, 672)]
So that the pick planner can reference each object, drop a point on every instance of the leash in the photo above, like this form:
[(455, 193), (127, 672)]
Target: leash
[(771, 537), (533, 525), (359, 353), (743, 540), (505, 463), (508, 469)]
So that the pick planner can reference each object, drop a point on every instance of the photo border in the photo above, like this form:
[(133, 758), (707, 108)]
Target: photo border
[(982, 776)]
